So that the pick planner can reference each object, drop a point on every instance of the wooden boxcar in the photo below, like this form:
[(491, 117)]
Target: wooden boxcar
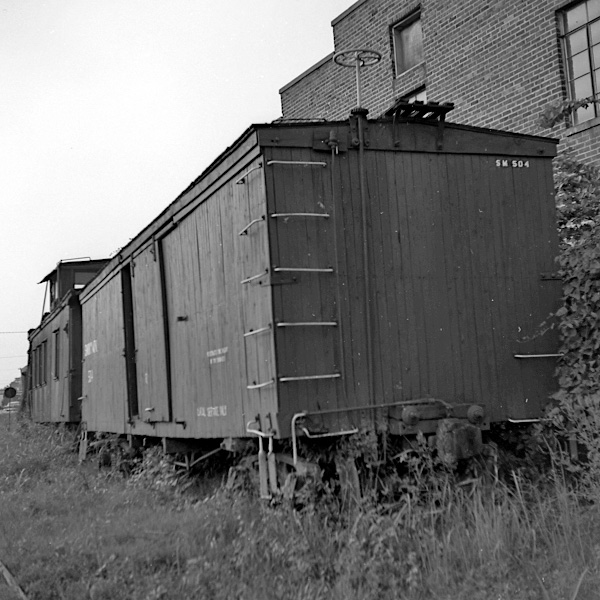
[(320, 277), (54, 366)]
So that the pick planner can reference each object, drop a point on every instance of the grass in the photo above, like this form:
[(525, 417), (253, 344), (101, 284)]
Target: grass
[(70, 532)]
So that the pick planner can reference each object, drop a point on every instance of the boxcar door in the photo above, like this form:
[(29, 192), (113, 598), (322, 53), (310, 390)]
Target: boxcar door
[(186, 325), (149, 330)]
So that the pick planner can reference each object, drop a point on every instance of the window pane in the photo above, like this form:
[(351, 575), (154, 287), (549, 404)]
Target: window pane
[(576, 17), (580, 65), (593, 7), (595, 32), (577, 42), (57, 354), (408, 42), (584, 114), (582, 87), (597, 79), (596, 57)]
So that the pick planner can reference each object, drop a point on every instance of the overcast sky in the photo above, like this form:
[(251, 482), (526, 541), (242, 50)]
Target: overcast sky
[(110, 108)]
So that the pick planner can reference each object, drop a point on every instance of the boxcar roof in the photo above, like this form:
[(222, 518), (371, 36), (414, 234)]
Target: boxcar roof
[(408, 135)]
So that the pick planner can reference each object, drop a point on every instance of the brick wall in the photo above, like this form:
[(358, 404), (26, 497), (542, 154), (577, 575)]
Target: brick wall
[(498, 61)]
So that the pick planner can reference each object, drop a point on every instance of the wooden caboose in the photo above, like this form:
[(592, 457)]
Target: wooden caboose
[(54, 364), (322, 277)]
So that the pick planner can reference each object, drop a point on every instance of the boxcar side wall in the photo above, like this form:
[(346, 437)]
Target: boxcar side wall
[(104, 405), (179, 305)]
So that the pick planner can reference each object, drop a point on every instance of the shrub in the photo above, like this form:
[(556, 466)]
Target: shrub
[(577, 409)]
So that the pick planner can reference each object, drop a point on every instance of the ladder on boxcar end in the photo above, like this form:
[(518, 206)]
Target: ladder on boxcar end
[(261, 328), (266, 461)]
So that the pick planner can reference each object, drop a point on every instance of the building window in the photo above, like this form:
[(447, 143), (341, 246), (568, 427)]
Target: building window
[(580, 31), (407, 40), (419, 95)]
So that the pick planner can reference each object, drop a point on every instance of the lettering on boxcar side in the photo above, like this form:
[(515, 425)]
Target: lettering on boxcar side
[(90, 348), (90, 375), (219, 355), (515, 164), (212, 411)]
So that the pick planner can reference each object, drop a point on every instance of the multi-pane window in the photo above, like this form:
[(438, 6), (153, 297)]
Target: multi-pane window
[(580, 29), (407, 38)]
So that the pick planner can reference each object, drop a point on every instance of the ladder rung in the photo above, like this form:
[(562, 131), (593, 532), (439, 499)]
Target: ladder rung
[(538, 355), (309, 377), (242, 179), (305, 163), (301, 270), (255, 331), (256, 386), (249, 279), (308, 324), (253, 222), (284, 215)]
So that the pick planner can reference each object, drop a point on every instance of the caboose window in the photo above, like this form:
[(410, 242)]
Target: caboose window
[(44, 369), (56, 368), (407, 40), (580, 33)]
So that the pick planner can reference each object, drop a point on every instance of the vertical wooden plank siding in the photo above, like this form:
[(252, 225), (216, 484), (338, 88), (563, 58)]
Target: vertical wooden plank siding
[(209, 309), (451, 292), (304, 242), (104, 381), (260, 388), (58, 382), (185, 325), (51, 396), (463, 285), (149, 330), (72, 342)]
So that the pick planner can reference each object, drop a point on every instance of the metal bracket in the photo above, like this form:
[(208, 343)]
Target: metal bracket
[(294, 424), (354, 137)]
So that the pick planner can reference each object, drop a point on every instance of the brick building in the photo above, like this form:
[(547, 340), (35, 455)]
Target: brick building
[(501, 62)]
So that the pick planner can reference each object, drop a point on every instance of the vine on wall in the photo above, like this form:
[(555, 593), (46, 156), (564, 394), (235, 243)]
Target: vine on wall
[(577, 408)]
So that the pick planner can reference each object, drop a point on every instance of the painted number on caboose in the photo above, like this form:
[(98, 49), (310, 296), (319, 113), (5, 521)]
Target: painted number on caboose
[(514, 164), (212, 411)]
